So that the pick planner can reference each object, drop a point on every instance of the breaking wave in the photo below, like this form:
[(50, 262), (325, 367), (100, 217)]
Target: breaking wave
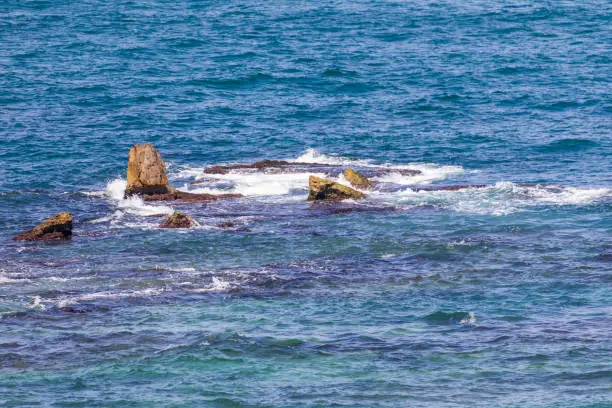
[(503, 197)]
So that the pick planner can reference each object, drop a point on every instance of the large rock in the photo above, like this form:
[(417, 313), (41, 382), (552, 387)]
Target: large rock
[(357, 179), (146, 172), (322, 189), (55, 228), (178, 220)]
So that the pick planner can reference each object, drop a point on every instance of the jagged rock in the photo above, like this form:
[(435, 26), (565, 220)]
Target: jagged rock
[(146, 172), (357, 179), (321, 189), (178, 220), (58, 227)]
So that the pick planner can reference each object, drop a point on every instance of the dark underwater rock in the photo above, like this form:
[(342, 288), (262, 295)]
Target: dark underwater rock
[(178, 220), (188, 197), (69, 309), (225, 224), (322, 189), (58, 227), (260, 165)]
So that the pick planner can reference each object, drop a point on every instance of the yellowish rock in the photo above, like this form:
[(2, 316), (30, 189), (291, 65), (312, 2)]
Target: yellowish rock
[(146, 173), (178, 220), (322, 189), (58, 227), (357, 179)]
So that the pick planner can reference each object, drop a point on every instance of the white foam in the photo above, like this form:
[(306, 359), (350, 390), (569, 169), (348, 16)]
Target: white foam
[(502, 198), (470, 319), (217, 285), (36, 304), (429, 173), (568, 195), (66, 301), (115, 191), (135, 205), (314, 156), (260, 183), (5, 279)]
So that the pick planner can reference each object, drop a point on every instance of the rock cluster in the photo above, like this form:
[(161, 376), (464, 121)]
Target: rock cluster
[(58, 227), (146, 177)]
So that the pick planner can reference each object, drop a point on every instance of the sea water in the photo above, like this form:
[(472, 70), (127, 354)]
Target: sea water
[(497, 293)]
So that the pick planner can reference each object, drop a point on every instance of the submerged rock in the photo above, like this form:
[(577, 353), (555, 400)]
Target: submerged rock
[(225, 224), (178, 220), (146, 172), (357, 179), (177, 195), (260, 165), (322, 189), (58, 227), (69, 309)]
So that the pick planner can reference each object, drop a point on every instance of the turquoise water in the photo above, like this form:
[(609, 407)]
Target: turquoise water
[(499, 296)]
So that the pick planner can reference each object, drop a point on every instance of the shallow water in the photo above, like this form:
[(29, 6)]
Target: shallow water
[(481, 296)]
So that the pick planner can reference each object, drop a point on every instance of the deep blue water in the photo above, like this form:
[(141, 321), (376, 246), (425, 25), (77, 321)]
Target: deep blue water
[(482, 297)]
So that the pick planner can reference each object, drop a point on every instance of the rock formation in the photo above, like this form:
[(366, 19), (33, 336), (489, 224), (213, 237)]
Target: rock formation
[(146, 172), (58, 227), (178, 220), (321, 189), (146, 176), (357, 179)]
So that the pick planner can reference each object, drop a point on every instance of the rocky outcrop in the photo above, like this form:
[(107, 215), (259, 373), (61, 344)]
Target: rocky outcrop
[(225, 224), (146, 172), (357, 179), (178, 220), (146, 176), (58, 227), (322, 189)]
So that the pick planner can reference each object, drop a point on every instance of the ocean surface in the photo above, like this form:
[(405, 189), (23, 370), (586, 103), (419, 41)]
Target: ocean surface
[(494, 294)]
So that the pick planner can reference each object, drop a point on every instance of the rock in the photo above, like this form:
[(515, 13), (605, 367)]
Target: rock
[(260, 165), (146, 172), (178, 220), (225, 224), (69, 309), (357, 179), (177, 195), (321, 189), (58, 227)]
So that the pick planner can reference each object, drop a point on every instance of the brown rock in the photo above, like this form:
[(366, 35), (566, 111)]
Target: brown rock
[(58, 227), (225, 224), (321, 189), (178, 220), (357, 179), (146, 172)]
